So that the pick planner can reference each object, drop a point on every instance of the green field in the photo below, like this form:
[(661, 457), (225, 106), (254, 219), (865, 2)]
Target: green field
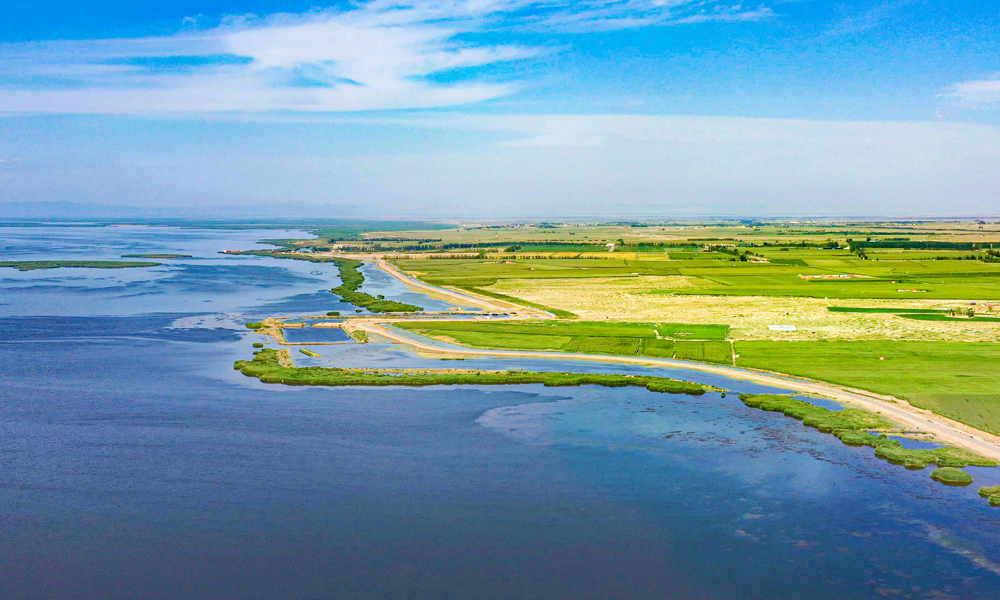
[(668, 340), (32, 265), (954, 379), (792, 273)]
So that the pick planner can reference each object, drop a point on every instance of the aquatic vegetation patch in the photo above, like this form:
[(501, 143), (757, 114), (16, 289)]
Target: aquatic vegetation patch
[(951, 476), (992, 494), (255, 325), (274, 366), (258, 345), (853, 426), (310, 353)]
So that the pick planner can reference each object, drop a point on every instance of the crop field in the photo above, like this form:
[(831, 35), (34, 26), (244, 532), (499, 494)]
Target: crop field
[(957, 380), (669, 340), (820, 274)]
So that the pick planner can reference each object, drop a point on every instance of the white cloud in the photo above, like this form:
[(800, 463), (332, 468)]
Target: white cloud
[(378, 55), (975, 94)]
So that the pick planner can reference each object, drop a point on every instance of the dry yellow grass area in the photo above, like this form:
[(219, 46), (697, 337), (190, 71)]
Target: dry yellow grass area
[(628, 299)]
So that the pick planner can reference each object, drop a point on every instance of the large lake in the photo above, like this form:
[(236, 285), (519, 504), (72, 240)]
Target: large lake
[(136, 463)]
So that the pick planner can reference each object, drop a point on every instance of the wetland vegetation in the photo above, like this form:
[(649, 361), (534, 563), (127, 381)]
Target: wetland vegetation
[(273, 366), (351, 280), (32, 265), (857, 427)]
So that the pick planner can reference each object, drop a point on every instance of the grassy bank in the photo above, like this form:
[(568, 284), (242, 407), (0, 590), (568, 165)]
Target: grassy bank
[(351, 280), (266, 366), (954, 379), (853, 426), (31, 265), (667, 340)]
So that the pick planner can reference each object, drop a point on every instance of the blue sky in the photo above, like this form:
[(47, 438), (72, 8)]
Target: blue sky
[(505, 108)]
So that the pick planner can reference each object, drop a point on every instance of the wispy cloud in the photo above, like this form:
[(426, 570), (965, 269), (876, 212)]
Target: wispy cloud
[(378, 55), (984, 93), (872, 18)]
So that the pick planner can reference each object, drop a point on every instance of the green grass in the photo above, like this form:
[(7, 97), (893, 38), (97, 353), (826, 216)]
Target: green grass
[(556, 312), (254, 325), (951, 476), (954, 379), (587, 337), (258, 344), (31, 265), (267, 367), (625, 346), (717, 274), (713, 352), (856, 309), (991, 493), (945, 317), (156, 256), (310, 353), (359, 336), (852, 426)]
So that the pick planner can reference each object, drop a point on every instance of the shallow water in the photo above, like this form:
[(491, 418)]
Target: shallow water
[(301, 335), (135, 462)]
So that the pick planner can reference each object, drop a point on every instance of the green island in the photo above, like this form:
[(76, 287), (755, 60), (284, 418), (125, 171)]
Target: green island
[(275, 366), (32, 265), (310, 353), (992, 494), (951, 476), (156, 256), (664, 340)]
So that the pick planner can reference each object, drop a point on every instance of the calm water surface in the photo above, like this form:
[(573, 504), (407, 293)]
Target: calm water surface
[(135, 463)]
